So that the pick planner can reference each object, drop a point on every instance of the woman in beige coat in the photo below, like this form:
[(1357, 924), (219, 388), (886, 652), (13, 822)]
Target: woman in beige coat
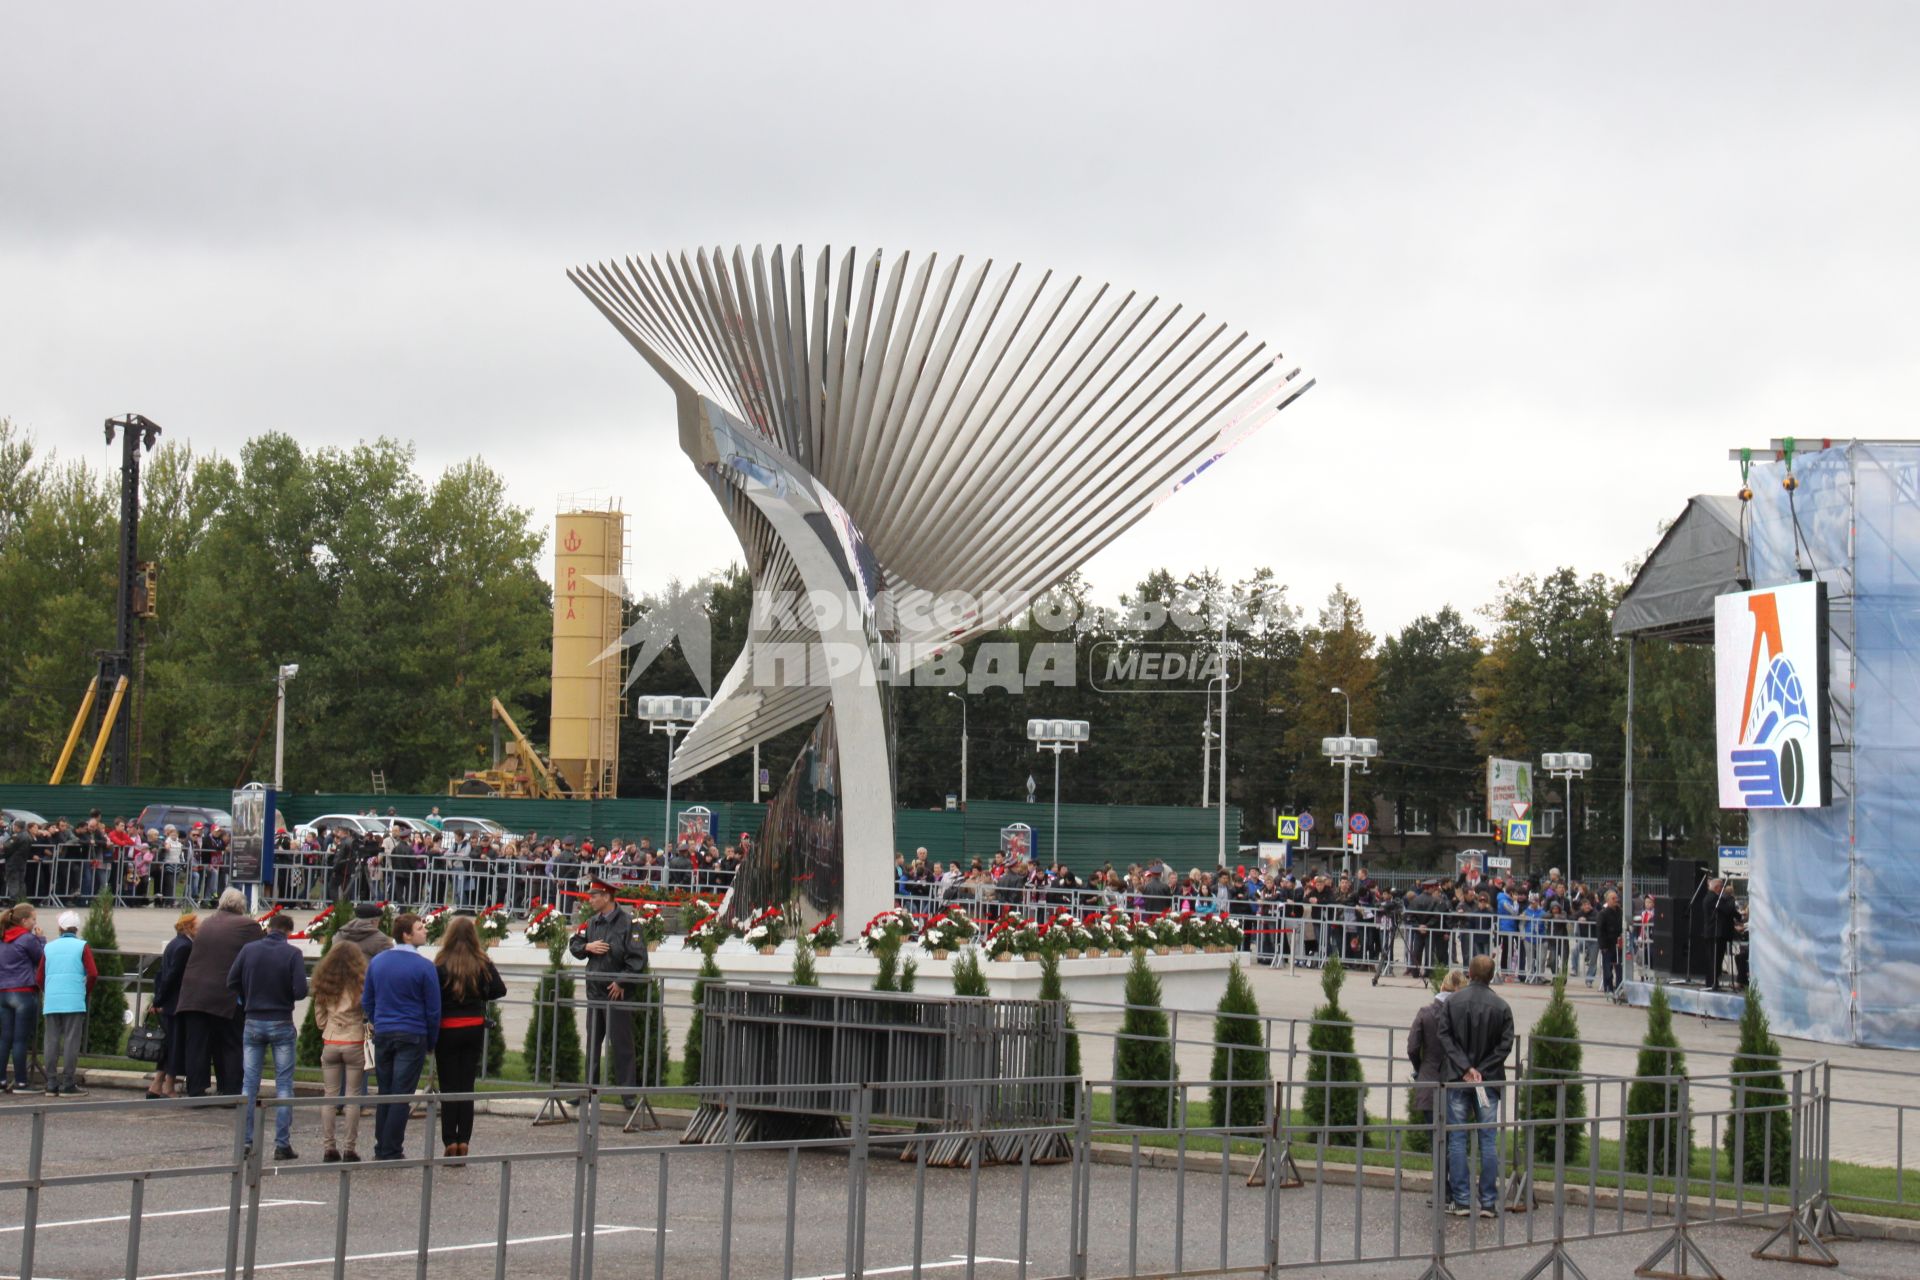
[(343, 1033)]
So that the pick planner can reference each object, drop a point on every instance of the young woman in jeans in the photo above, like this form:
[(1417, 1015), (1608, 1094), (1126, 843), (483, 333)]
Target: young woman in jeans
[(335, 994), (467, 981), (21, 946)]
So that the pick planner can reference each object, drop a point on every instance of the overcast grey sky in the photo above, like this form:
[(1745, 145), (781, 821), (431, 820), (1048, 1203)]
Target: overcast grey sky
[(1547, 262)]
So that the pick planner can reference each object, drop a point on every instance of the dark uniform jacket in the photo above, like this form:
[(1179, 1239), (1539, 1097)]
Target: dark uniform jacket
[(626, 957)]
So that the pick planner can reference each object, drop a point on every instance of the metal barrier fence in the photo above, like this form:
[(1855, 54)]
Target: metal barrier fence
[(1283, 1189)]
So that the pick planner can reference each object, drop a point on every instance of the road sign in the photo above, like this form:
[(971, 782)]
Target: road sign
[(1289, 827), (1519, 831), (1499, 864), (1358, 822), (1733, 862), (1509, 787), (1306, 822)]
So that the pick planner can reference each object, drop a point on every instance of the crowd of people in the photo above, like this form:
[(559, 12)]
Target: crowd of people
[(226, 989), (1530, 927)]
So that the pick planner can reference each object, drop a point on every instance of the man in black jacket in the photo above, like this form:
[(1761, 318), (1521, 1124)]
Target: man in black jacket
[(1723, 926), (1476, 1032), (267, 979), (1608, 930), (614, 945), (18, 848)]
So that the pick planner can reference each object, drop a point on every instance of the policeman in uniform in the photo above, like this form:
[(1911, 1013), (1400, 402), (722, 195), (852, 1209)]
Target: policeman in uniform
[(614, 945)]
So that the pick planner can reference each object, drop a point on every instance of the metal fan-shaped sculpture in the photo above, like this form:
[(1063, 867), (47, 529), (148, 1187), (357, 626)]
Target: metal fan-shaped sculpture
[(923, 446)]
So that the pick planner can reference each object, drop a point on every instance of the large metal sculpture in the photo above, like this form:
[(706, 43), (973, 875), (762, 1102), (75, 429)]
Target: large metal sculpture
[(909, 452)]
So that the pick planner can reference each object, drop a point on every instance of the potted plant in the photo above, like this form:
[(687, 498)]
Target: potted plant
[(652, 923), (1003, 938), (1226, 932), (947, 932), (824, 937), (1164, 932), (492, 924), (767, 930), (436, 922)]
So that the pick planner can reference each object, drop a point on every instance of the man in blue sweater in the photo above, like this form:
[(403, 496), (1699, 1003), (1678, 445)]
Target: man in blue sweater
[(268, 978), (402, 1000)]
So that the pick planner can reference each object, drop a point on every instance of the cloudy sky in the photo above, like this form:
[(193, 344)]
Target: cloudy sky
[(1548, 263)]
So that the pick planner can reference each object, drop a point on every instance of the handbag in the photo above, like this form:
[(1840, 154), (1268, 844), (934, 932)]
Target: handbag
[(147, 1044)]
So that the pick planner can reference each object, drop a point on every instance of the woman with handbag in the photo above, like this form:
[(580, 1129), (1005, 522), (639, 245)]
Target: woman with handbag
[(169, 1076), (468, 981), (337, 984)]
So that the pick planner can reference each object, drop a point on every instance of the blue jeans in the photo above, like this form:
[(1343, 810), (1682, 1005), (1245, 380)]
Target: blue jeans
[(255, 1038), (19, 1011), (1461, 1112), (398, 1058)]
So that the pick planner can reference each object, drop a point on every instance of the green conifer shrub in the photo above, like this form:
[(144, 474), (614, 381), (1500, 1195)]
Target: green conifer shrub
[(1759, 1137), (1145, 1052), (107, 1003), (1554, 1054), (1239, 1055), (1333, 1101), (1655, 1142)]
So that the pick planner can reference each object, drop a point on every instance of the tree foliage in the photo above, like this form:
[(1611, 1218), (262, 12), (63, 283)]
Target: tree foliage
[(1759, 1133), (1051, 988), (1554, 1056), (690, 1048), (970, 980), (1334, 1100), (107, 1002), (1240, 1071), (1655, 1141), (1144, 1053)]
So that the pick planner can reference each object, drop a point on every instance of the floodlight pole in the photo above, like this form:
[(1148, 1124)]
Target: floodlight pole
[(963, 746), (1346, 792), (1223, 739), (287, 672), (670, 728), (1567, 775)]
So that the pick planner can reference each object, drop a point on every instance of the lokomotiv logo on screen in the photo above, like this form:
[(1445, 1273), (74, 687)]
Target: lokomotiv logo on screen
[(1770, 696)]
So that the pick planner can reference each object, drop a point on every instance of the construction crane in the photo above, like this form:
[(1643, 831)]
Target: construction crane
[(133, 601), (524, 774)]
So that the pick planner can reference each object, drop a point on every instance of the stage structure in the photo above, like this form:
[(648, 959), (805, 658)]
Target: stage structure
[(910, 451), (1831, 786)]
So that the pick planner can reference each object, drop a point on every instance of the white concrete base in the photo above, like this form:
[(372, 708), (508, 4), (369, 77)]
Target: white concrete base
[(1186, 981)]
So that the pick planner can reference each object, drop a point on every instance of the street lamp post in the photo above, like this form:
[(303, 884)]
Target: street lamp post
[(963, 747), (1568, 765), (287, 672), (672, 716), (1055, 736), (1345, 751)]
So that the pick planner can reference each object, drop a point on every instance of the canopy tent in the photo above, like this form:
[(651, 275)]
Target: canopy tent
[(1698, 559), (1831, 889)]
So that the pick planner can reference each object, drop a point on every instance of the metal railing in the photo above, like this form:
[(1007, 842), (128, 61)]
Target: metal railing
[(1285, 1187)]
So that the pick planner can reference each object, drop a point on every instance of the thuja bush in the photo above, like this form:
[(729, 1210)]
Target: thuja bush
[(1050, 989), (1333, 1102), (690, 1048), (1655, 1141), (1239, 1056), (1553, 1057), (107, 1003), (1144, 1053), (1759, 1134)]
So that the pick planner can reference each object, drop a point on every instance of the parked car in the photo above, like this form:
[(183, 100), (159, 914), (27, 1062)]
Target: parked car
[(477, 827), (358, 823), (155, 817), (10, 816)]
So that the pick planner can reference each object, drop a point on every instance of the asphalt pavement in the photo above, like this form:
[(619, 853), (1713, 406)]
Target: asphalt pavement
[(1133, 1214)]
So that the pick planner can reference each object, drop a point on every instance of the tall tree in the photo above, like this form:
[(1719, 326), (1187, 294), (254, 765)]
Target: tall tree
[(1338, 652), (1554, 680), (1426, 734)]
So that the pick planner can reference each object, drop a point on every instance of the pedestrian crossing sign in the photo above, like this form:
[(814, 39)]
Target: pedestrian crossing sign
[(1289, 827), (1519, 831)]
